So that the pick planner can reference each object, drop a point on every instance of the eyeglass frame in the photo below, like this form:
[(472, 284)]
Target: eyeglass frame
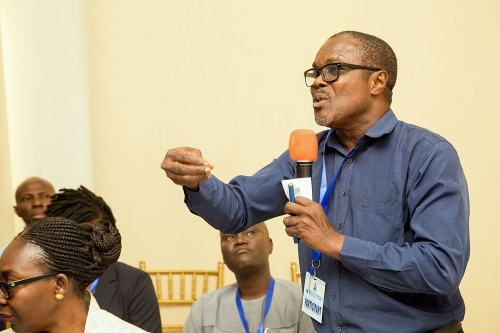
[(9, 285), (339, 66)]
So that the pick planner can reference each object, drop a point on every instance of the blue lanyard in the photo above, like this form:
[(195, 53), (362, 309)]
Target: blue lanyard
[(269, 298), (325, 192), (94, 285), (324, 196)]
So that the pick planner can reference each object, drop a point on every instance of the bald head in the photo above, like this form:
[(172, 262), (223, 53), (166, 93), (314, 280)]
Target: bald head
[(32, 198), (249, 249)]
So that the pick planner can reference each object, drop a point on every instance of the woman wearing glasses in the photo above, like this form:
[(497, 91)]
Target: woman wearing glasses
[(45, 272)]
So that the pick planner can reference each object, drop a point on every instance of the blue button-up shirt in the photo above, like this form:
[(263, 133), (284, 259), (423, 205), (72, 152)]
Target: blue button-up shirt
[(401, 200)]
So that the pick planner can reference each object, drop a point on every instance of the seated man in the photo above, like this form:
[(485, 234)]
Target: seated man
[(32, 198), (257, 302), (123, 290)]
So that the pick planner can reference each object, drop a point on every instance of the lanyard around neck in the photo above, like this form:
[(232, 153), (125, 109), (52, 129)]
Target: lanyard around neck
[(324, 196), (93, 286), (325, 192), (269, 298)]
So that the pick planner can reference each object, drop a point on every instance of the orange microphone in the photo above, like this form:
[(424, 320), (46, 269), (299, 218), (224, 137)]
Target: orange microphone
[(303, 148)]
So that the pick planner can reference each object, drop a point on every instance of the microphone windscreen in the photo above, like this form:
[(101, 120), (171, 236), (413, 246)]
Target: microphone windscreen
[(303, 145)]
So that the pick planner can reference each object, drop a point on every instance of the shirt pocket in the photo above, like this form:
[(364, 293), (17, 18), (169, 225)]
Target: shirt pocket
[(378, 222)]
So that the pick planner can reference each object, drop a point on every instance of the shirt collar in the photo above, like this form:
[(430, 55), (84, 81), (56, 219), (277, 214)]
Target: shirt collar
[(383, 126), (93, 315)]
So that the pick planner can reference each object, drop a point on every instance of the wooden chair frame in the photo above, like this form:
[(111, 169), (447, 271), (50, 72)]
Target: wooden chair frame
[(295, 272), (156, 275)]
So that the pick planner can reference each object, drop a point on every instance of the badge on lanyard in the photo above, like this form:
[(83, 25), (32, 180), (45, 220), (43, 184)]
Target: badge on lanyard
[(314, 296)]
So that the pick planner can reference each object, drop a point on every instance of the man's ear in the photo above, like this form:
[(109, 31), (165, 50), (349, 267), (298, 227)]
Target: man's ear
[(270, 246), (378, 82), (16, 211), (61, 284)]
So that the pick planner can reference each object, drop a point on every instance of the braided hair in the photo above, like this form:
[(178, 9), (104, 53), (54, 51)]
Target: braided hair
[(80, 251), (80, 205)]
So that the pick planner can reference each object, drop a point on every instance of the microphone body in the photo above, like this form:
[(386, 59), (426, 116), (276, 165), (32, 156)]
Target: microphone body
[(303, 149), (303, 169)]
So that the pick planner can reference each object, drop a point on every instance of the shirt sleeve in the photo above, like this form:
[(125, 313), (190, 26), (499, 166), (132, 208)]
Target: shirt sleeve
[(434, 259), (244, 201), (194, 321)]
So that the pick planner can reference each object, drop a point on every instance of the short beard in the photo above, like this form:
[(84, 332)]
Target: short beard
[(321, 121)]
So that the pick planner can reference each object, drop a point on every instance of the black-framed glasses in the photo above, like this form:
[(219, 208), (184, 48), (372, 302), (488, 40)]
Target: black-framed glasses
[(5, 287), (330, 73)]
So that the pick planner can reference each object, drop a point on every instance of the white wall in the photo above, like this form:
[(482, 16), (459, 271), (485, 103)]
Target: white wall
[(46, 89)]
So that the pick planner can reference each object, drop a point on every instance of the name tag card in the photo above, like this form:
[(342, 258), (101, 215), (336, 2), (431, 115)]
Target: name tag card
[(314, 296)]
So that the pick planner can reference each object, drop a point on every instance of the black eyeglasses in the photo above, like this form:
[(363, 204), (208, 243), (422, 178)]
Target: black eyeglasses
[(5, 287), (330, 73)]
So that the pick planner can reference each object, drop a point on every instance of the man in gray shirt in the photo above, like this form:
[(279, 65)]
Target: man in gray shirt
[(257, 302)]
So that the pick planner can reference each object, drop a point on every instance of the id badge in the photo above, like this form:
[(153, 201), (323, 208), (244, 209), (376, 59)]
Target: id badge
[(314, 296)]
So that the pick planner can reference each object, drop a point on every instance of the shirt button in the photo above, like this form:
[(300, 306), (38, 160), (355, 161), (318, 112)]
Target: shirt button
[(355, 271), (339, 329), (340, 225), (349, 160), (344, 193), (189, 197), (333, 295), (367, 147), (334, 260)]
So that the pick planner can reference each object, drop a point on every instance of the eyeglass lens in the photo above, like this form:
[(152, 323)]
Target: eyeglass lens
[(328, 73), (4, 290)]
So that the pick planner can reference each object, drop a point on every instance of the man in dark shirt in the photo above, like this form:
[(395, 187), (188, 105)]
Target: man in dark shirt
[(387, 232)]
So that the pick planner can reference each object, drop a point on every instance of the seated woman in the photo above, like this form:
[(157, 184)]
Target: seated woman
[(44, 274)]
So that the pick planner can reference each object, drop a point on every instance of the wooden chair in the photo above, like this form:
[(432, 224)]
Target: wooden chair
[(174, 281), (295, 272)]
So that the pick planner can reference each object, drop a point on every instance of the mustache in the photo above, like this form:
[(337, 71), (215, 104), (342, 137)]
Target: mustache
[(321, 91)]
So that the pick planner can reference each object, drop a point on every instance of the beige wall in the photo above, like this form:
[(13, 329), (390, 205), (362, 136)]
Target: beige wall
[(226, 77), (6, 216)]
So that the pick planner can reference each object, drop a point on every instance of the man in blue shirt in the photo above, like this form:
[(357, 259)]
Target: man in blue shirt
[(394, 233)]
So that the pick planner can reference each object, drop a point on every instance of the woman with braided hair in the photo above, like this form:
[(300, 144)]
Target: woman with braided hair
[(44, 274), (123, 290)]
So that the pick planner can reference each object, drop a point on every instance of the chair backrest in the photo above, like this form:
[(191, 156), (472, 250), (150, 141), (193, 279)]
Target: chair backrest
[(295, 272), (182, 287)]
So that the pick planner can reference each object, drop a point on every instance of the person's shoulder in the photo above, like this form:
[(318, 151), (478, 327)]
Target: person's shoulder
[(125, 275), (216, 295), (127, 269), (220, 292), (424, 143), (109, 323), (289, 286), (420, 133)]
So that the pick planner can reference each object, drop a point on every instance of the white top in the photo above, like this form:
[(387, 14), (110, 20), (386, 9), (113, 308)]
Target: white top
[(101, 321)]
